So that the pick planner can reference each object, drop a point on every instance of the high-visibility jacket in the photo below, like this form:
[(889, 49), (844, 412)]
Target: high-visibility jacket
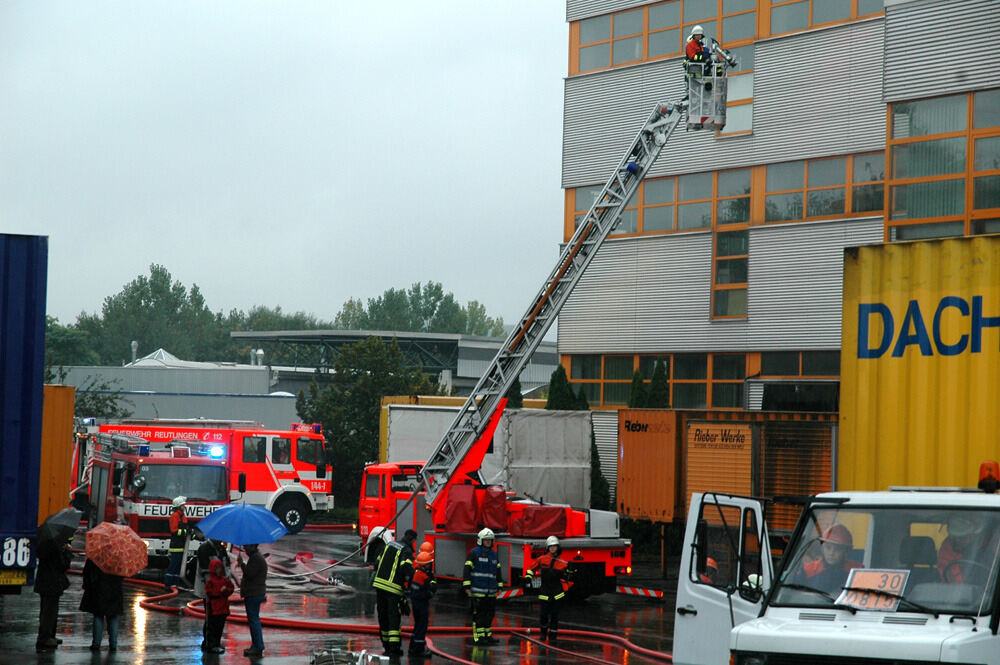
[(482, 576), (394, 568), (423, 585), (695, 51), (178, 530), (554, 576)]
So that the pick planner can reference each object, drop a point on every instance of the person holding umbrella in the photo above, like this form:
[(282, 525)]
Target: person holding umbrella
[(253, 588), (102, 597), (54, 557)]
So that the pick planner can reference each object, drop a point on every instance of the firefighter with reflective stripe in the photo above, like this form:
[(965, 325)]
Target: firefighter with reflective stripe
[(392, 575), (178, 541), (555, 583), (696, 52), (422, 587), (481, 581)]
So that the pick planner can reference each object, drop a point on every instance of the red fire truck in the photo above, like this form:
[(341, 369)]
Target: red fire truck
[(133, 481), (589, 538), (285, 470)]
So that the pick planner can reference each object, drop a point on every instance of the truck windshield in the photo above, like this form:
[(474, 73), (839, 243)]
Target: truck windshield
[(911, 558), (197, 483)]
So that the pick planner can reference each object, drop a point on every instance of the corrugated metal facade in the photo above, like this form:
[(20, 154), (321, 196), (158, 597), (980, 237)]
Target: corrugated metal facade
[(643, 295), (578, 9), (273, 411), (220, 380), (921, 56), (920, 368), (606, 438), (797, 115)]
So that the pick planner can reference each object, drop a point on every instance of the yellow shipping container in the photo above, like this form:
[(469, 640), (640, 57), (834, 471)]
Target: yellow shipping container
[(920, 363), (55, 473)]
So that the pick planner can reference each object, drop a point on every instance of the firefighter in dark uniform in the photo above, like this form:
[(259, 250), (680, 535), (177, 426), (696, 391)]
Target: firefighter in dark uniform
[(178, 541), (481, 581), (393, 571), (555, 583), (422, 587)]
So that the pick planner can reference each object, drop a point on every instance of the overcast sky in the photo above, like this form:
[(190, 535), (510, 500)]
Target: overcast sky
[(291, 154)]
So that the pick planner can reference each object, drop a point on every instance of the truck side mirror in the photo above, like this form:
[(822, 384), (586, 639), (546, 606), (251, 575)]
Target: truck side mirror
[(242, 483), (321, 470)]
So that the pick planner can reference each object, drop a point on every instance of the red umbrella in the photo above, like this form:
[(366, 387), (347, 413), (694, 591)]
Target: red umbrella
[(116, 549)]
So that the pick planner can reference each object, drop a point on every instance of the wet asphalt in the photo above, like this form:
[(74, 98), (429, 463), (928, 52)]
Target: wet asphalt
[(161, 637)]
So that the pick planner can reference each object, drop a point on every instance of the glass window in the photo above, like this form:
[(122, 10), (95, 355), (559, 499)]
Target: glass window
[(781, 207), (694, 216), (592, 391), (373, 485), (689, 396), (664, 42), (870, 7), (986, 192), (821, 363), (659, 191), (595, 29), (926, 231), (732, 243), (827, 172), (690, 366), (648, 363), (727, 395), (627, 50), (928, 199), (664, 15), (823, 202), (698, 10), (707, 26), (868, 198), (739, 118), (739, 27), (254, 449), (696, 186), (618, 367), (789, 17), (732, 6), (988, 154), (281, 451), (733, 211), (779, 363), (617, 394), (869, 168), (594, 57), (308, 450), (789, 175), (986, 109), (740, 87), (729, 302), (660, 218), (928, 116), (744, 58), (731, 271), (628, 23), (584, 197), (827, 11), (585, 367), (926, 158), (980, 226), (732, 367)]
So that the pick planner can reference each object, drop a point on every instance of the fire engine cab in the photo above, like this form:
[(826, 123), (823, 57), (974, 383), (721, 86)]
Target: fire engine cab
[(133, 481), (285, 471)]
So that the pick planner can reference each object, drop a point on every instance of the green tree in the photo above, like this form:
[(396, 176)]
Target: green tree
[(659, 392), (600, 489), (637, 397), (561, 396), (65, 345), (349, 406), (515, 400)]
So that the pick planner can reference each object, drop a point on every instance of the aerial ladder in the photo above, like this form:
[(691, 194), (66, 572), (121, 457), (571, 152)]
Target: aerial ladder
[(462, 447)]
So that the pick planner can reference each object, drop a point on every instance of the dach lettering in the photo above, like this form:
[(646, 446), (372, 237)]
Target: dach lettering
[(913, 330)]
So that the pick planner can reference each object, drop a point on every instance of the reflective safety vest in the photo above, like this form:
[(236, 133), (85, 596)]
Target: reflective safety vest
[(394, 568), (482, 572), (554, 576), (178, 530)]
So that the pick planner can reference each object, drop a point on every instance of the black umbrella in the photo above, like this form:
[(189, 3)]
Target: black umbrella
[(60, 526)]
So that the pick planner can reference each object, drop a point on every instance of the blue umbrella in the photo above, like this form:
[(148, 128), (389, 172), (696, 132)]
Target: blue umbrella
[(242, 524)]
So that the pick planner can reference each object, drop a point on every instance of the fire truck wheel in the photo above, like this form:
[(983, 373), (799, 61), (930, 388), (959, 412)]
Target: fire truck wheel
[(292, 512)]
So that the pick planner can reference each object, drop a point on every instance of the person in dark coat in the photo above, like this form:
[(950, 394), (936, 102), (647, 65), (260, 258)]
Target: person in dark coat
[(392, 577), (253, 588), (218, 588), (210, 550), (102, 597), (54, 557), (423, 585)]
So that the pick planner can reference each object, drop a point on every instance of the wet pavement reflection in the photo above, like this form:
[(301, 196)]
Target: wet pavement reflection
[(159, 637)]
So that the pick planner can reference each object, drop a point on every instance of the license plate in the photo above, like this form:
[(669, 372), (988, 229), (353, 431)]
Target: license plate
[(19, 577)]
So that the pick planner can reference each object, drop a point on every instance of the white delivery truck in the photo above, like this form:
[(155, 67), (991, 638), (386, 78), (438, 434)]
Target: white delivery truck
[(903, 577)]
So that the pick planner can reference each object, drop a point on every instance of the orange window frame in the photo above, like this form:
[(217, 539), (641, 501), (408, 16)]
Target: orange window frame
[(766, 7)]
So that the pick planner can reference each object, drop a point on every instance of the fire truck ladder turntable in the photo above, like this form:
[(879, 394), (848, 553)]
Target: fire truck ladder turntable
[(577, 254)]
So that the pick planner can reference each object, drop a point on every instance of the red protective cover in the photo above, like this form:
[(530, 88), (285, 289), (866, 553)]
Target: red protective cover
[(462, 510), (495, 508), (540, 521)]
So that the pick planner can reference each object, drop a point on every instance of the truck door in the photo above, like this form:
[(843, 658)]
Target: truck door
[(374, 507), (724, 573)]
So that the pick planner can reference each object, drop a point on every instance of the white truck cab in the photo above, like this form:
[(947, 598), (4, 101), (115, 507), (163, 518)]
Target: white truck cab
[(901, 577)]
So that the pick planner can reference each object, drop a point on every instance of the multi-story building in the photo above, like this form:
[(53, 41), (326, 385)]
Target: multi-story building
[(850, 122)]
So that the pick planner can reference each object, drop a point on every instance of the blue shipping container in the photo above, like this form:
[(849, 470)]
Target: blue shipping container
[(23, 268)]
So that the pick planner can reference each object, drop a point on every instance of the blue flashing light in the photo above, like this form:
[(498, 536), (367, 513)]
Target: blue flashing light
[(216, 452)]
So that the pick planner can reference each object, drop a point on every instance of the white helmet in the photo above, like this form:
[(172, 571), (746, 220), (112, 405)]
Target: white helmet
[(697, 30), (179, 501), (551, 540), (485, 534)]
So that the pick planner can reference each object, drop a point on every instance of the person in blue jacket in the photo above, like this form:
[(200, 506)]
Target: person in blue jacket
[(481, 581)]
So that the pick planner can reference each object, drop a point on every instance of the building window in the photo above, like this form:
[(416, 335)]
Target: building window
[(729, 294), (657, 31), (817, 364), (794, 15), (944, 166), (817, 188)]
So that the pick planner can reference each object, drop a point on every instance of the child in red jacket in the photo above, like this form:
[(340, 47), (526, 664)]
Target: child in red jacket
[(218, 588)]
